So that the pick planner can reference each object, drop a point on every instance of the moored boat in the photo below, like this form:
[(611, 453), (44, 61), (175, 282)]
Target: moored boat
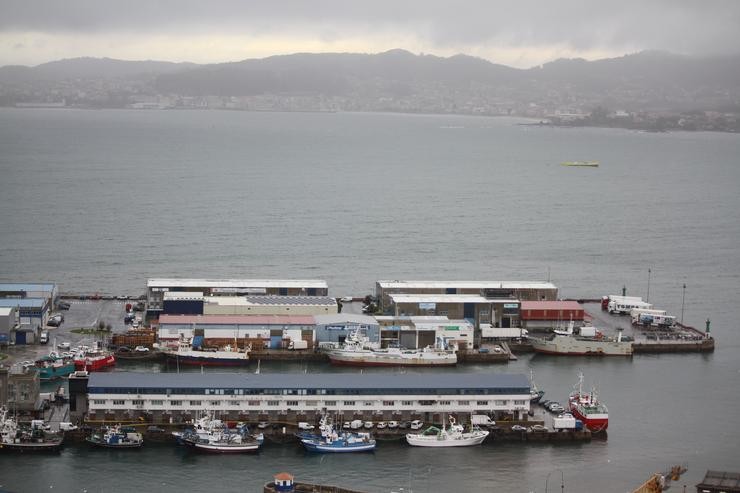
[(330, 440), (54, 366), (587, 407), (455, 436), (212, 435), (188, 353), (535, 394), (13, 438), (357, 351), (579, 345), (116, 437), (95, 359)]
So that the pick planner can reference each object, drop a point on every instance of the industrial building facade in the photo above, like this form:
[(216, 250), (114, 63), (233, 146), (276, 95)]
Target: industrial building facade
[(163, 397), (155, 289)]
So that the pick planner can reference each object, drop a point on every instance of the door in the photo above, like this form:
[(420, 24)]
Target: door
[(20, 338), (468, 310)]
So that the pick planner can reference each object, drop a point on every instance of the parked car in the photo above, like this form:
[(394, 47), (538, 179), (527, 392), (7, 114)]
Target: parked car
[(155, 429), (519, 428), (381, 425), (44, 337), (538, 428), (305, 426), (262, 425), (141, 349), (63, 305), (67, 426), (392, 425), (63, 345), (416, 424), (346, 299), (368, 424)]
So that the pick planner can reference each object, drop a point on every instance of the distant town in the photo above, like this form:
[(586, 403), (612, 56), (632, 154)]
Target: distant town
[(646, 91)]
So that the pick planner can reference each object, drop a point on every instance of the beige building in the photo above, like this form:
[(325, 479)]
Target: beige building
[(523, 291), (269, 305)]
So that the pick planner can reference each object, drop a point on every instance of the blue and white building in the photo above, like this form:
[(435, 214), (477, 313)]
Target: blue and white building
[(288, 397)]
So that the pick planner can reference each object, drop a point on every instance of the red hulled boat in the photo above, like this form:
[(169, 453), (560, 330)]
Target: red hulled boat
[(95, 360), (587, 407)]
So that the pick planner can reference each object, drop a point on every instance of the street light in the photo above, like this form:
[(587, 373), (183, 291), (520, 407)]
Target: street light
[(562, 480), (683, 299), (647, 299)]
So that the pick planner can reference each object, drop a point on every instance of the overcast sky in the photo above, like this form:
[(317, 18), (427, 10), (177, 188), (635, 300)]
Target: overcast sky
[(520, 33)]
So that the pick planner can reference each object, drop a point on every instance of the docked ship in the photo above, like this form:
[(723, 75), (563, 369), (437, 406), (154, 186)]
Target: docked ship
[(95, 359), (588, 343), (54, 366), (13, 438), (188, 352), (212, 435), (117, 437), (587, 407), (535, 394), (357, 351), (454, 436), (329, 440)]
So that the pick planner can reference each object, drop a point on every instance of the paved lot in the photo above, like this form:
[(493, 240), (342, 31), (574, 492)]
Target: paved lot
[(81, 314)]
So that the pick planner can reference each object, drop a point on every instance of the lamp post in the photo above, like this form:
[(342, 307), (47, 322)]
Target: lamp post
[(647, 298), (562, 480), (683, 299)]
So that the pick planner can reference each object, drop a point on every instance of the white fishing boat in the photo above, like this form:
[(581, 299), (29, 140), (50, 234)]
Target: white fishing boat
[(13, 438), (580, 345), (358, 351), (454, 436), (212, 435), (188, 352)]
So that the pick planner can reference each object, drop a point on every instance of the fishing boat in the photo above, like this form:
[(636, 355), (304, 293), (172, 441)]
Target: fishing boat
[(357, 351), (535, 395), (54, 366), (455, 436), (582, 345), (94, 359), (212, 435), (587, 407), (584, 164), (117, 437), (189, 352), (329, 440), (13, 438)]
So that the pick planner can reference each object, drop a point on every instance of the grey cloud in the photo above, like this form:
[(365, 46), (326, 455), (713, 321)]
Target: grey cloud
[(684, 26)]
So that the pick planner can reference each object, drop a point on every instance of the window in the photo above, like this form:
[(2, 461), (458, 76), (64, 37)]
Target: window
[(137, 402), (443, 313), (369, 403), (445, 403), (99, 402), (464, 403), (389, 403), (119, 402), (349, 403), (500, 402), (482, 403), (196, 403), (253, 403), (292, 403), (273, 403), (157, 403), (312, 403), (407, 403), (520, 403), (176, 403), (484, 313), (330, 403), (215, 403)]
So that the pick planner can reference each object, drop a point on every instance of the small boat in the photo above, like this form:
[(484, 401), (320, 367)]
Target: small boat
[(332, 441), (535, 395), (13, 438), (583, 164), (587, 407), (212, 435), (54, 366), (117, 437), (455, 436), (95, 359)]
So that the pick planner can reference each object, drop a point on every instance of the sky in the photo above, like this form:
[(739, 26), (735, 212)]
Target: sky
[(521, 34)]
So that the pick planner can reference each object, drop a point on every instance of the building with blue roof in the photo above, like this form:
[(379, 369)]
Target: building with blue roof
[(32, 303), (288, 397)]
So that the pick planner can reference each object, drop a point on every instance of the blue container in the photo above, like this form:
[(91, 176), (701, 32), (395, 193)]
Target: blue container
[(579, 425), (276, 342)]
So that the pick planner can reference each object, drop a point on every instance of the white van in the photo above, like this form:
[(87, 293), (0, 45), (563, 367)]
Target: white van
[(44, 337), (67, 426)]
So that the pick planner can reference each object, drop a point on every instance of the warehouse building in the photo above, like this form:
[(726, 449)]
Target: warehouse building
[(155, 289), (173, 397), (256, 330), (269, 305), (478, 309), (422, 331), (8, 322), (548, 314), (487, 289), (335, 328), (46, 291)]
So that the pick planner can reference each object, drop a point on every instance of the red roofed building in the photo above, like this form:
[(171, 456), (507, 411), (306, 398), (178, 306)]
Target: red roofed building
[(536, 314)]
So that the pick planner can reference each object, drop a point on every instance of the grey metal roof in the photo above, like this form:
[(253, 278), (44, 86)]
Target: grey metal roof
[(235, 283), (20, 286), (357, 381), (291, 300), (341, 318), (23, 302)]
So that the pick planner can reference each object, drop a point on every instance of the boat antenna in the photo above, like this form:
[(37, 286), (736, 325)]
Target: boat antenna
[(257, 371)]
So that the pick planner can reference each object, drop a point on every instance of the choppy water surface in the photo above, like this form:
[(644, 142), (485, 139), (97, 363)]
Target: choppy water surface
[(100, 200)]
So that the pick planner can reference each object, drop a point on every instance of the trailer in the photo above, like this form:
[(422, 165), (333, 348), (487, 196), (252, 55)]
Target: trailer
[(564, 422), (635, 313), (623, 306), (647, 319), (297, 344), (615, 297)]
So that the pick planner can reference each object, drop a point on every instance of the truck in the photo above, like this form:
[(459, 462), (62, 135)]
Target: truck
[(636, 312), (623, 306), (564, 422), (481, 420), (297, 344), (44, 337), (656, 320)]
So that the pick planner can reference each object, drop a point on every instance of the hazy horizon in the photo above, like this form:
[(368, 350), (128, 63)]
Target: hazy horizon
[(517, 34)]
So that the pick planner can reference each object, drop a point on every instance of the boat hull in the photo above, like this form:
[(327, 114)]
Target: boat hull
[(433, 441), (205, 361), (116, 445), (312, 446), (571, 346), (53, 373), (95, 364), (216, 448), (45, 447), (340, 359)]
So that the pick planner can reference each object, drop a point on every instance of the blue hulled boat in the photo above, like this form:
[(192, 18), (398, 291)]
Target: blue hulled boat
[(331, 441)]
